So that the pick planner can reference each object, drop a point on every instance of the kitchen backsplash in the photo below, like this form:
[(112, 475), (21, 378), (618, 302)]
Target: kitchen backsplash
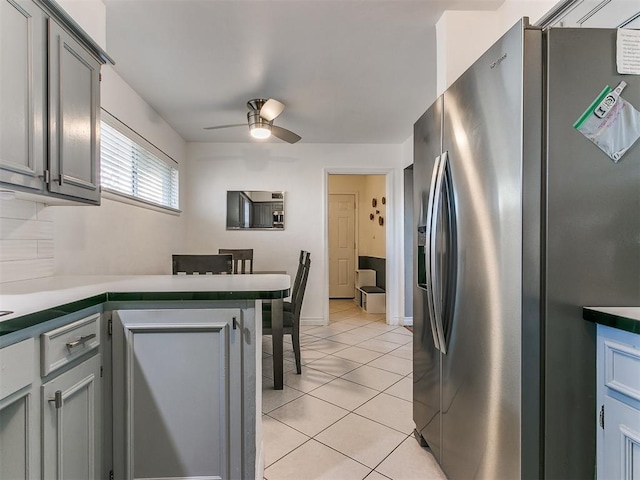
[(26, 240)]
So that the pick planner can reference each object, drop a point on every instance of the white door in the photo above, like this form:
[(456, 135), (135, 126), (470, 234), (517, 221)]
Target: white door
[(342, 244)]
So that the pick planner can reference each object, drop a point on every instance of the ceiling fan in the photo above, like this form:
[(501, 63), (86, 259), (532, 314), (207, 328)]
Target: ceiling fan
[(262, 113)]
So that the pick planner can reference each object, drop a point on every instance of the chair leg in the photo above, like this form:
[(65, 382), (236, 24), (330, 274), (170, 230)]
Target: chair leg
[(295, 339), (276, 336)]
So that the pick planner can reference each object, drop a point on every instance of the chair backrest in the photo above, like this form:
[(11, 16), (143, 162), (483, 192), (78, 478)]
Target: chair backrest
[(296, 283), (202, 264), (300, 284), (241, 259)]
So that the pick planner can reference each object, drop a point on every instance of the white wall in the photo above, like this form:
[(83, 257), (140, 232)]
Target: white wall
[(301, 171), (461, 41), (91, 15), (26, 240), (372, 238), (116, 238)]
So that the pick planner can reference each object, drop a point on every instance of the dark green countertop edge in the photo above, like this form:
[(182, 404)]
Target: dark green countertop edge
[(610, 320), (32, 319)]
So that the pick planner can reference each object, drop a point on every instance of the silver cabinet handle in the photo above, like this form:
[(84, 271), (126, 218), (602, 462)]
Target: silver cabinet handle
[(80, 340), (57, 399)]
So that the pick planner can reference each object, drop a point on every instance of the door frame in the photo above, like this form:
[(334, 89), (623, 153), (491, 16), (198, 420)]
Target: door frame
[(392, 213), (356, 231)]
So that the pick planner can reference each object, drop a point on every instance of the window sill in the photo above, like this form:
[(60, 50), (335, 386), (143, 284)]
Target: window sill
[(136, 202)]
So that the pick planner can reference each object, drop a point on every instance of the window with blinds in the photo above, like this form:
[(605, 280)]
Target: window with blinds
[(131, 166)]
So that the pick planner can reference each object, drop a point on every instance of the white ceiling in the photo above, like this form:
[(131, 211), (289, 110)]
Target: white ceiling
[(349, 71)]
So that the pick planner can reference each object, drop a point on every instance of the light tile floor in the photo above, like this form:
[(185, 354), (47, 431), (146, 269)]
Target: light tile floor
[(349, 414)]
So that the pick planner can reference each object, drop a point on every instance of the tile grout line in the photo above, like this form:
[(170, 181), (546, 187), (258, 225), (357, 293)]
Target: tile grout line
[(333, 356)]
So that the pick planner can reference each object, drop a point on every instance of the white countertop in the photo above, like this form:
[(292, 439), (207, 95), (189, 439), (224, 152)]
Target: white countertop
[(632, 313), (32, 296)]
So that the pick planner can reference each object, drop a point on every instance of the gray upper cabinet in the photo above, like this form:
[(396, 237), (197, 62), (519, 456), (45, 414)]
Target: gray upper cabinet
[(74, 106), (22, 94), (50, 103)]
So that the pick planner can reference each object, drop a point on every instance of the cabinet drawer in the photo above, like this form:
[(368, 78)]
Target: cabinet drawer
[(622, 368), (16, 367), (65, 344)]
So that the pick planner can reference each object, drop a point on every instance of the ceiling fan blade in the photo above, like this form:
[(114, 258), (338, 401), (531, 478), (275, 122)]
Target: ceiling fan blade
[(271, 109), (226, 126), (284, 134)]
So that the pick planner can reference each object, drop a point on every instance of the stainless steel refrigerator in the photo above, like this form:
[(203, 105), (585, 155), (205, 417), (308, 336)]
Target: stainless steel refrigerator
[(520, 221)]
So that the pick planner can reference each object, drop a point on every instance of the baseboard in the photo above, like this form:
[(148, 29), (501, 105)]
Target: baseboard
[(312, 321), (318, 321)]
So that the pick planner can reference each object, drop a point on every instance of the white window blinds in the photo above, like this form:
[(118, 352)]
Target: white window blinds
[(133, 167)]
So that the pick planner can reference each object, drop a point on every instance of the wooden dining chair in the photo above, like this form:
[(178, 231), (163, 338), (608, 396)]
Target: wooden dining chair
[(242, 259), (291, 309), (202, 264)]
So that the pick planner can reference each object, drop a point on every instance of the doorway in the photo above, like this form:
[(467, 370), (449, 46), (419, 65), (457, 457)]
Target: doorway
[(356, 224)]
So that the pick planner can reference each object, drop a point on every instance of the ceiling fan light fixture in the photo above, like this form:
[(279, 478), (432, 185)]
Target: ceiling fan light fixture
[(260, 131), (258, 127), (260, 119)]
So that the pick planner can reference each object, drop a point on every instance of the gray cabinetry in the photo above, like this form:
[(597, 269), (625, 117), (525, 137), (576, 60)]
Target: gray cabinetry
[(179, 397), (261, 215), (71, 418), (71, 400), (618, 442), (74, 106), (50, 403), (22, 94), (18, 407), (50, 104)]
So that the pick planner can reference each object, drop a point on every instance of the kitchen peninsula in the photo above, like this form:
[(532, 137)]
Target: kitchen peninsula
[(156, 375), (618, 389)]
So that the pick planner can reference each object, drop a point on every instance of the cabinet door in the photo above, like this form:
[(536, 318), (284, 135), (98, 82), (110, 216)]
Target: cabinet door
[(71, 430), (74, 102), (18, 435), (621, 440), (179, 406), (22, 94)]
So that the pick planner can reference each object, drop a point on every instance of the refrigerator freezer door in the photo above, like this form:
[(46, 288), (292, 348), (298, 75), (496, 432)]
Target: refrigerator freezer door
[(481, 409), (426, 357)]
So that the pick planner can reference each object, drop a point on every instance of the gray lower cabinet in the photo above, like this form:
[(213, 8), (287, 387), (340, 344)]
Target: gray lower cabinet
[(71, 419), (179, 395), (49, 104), (618, 440), (51, 403), (18, 411)]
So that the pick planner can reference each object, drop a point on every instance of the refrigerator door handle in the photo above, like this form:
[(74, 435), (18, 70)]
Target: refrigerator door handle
[(428, 250), (436, 287)]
